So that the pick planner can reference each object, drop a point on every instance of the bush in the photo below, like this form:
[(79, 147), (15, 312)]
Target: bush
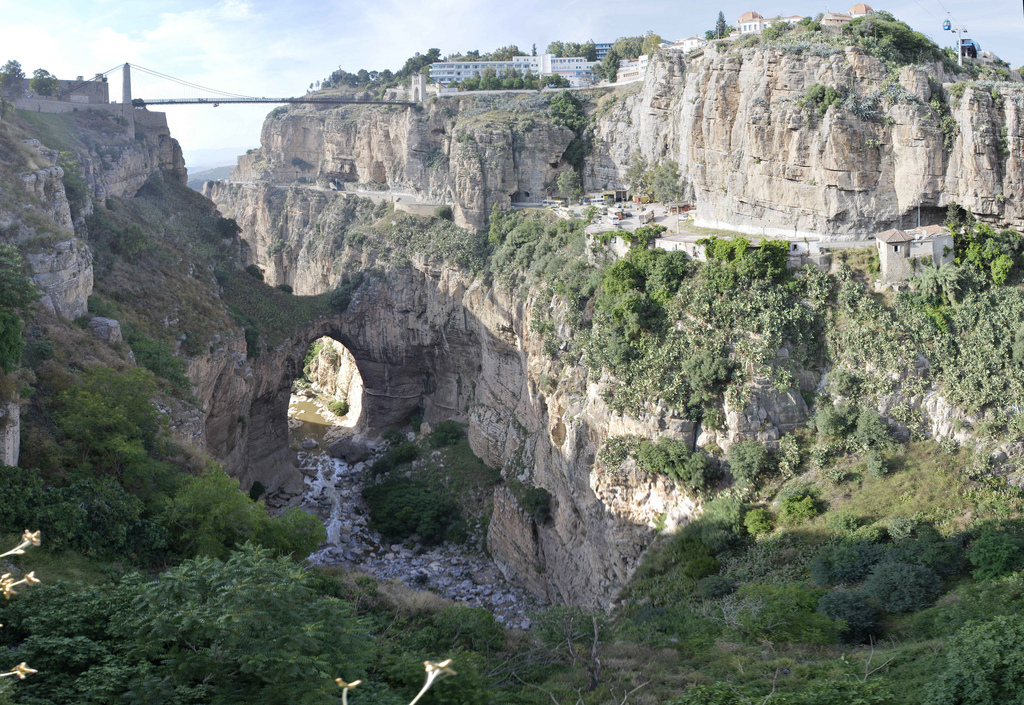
[(444, 212), (984, 664), (395, 456), (286, 288), (341, 297), (843, 522), (901, 527), (995, 554), (400, 507), (797, 510), (537, 503), (339, 407), (874, 464), (836, 421), (844, 563), (872, 433), (446, 433), (720, 527), (675, 459), (255, 271), (855, 612), (715, 586), (749, 461), (902, 587), (758, 522)]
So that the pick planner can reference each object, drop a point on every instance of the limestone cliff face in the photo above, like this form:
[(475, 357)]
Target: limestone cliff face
[(334, 372), (473, 153), (755, 160), (10, 432), (752, 158)]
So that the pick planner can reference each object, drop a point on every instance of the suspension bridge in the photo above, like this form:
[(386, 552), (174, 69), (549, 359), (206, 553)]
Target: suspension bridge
[(189, 93)]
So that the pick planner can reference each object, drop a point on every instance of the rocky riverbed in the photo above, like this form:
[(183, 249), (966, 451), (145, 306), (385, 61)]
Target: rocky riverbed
[(333, 491)]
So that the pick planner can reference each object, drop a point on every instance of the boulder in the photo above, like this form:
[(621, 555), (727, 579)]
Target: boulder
[(106, 328), (349, 450)]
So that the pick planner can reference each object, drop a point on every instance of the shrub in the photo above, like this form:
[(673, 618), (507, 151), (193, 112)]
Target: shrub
[(995, 554), (400, 507), (758, 522), (446, 433), (749, 461), (341, 297), (874, 464), (984, 664), (444, 212), (286, 288), (720, 527), (844, 563), (797, 510), (339, 407), (902, 587), (875, 533), (872, 433), (537, 503), (395, 456), (255, 271), (836, 421), (843, 522), (715, 586), (857, 615), (675, 459), (781, 613), (901, 527)]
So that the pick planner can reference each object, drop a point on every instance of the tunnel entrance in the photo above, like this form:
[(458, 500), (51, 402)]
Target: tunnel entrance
[(326, 400)]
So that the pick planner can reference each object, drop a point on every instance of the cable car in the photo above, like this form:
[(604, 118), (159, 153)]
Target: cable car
[(946, 25)]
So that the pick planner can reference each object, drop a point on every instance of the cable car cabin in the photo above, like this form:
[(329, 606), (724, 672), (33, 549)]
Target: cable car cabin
[(946, 25)]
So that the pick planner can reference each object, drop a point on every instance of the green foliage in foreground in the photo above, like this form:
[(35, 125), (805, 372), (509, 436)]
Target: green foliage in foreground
[(199, 634)]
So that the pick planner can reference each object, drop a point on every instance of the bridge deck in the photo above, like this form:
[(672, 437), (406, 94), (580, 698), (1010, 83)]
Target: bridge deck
[(144, 102)]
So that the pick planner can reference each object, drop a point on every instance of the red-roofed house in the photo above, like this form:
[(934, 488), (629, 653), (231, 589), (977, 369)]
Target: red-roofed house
[(901, 251)]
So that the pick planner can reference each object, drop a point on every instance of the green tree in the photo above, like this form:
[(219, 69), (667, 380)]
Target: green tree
[(207, 626), (12, 80), (610, 65), (651, 42), (639, 174), (43, 83), (16, 290), (12, 344), (984, 665), (569, 184), (749, 462), (210, 516), (721, 26), (666, 183)]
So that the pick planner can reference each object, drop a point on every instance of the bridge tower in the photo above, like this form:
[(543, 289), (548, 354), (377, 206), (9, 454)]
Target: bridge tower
[(127, 110), (418, 88)]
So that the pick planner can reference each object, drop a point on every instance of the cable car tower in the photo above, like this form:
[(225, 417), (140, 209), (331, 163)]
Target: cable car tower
[(960, 30)]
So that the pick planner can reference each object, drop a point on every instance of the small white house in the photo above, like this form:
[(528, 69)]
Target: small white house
[(687, 45)]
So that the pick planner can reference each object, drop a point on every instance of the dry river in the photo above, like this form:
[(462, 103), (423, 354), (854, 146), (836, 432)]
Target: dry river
[(333, 491)]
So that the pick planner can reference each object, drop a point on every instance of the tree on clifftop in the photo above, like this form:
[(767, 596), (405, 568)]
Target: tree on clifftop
[(43, 83), (12, 79)]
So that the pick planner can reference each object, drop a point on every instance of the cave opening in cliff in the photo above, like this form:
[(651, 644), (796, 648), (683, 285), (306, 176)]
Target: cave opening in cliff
[(326, 397)]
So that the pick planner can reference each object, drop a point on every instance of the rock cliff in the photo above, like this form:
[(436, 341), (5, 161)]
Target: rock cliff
[(752, 156), (756, 160)]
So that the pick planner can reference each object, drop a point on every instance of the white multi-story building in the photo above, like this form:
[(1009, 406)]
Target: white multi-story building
[(751, 22), (630, 69), (575, 69)]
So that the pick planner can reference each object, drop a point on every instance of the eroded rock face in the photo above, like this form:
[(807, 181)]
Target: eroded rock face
[(63, 271), (10, 432), (755, 160), (456, 151)]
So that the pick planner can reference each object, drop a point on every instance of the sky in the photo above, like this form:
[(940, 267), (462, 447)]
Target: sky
[(275, 48)]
